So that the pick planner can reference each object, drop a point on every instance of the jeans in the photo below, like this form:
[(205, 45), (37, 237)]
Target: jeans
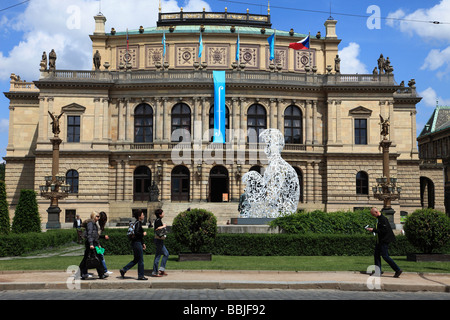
[(138, 258), (160, 250), (381, 250)]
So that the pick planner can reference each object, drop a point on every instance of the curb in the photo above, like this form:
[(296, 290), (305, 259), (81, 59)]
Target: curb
[(220, 285)]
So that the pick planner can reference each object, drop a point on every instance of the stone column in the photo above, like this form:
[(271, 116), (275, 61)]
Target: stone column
[(166, 120), (43, 133), (97, 124), (121, 124), (308, 124), (413, 133), (106, 119), (314, 123), (128, 125), (338, 122), (331, 130)]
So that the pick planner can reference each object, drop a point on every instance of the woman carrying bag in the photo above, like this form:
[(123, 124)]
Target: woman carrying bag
[(91, 259), (161, 250)]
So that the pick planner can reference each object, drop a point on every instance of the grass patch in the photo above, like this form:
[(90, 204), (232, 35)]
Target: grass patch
[(281, 263)]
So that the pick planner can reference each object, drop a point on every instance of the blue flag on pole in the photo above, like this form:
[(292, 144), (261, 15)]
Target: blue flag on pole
[(200, 46), (238, 47), (164, 44), (219, 106), (271, 41)]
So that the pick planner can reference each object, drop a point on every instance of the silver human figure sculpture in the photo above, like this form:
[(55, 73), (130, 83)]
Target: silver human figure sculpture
[(276, 193)]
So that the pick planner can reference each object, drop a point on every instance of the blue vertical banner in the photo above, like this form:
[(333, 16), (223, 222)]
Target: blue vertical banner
[(271, 41), (219, 106), (200, 46)]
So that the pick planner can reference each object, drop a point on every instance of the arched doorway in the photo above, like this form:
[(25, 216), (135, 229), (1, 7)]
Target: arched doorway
[(180, 184), (426, 193), (218, 183)]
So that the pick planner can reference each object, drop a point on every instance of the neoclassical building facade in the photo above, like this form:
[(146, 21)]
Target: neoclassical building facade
[(122, 119)]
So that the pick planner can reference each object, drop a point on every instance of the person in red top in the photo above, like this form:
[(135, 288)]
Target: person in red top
[(385, 236)]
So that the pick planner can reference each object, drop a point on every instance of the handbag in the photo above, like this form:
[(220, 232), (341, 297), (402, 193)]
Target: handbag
[(161, 232), (92, 261)]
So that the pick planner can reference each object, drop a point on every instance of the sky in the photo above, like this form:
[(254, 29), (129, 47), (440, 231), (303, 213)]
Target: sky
[(402, 30)]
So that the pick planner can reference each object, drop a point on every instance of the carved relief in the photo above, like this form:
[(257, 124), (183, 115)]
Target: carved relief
[(124, 57), (186, 55), (217, 56), (302, 57), (154, 54), (249, 55), (281, 57)]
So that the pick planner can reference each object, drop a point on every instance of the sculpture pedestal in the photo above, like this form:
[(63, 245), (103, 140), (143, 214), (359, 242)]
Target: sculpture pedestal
[(53, 218), (251, 221)]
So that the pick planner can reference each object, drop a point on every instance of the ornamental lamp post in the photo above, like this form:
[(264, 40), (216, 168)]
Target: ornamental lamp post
[(387, 188), (54, 187)]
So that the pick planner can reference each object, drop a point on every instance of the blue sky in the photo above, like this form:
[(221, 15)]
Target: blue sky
[(417, 48)]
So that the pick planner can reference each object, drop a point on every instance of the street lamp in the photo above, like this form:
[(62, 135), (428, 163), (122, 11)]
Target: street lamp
[(387, 189), (54, 187)]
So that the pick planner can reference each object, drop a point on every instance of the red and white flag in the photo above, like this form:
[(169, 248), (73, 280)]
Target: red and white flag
[(300, 45)]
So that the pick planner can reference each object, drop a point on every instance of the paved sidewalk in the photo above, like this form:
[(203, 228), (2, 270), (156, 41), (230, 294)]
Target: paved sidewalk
[(216, 279)]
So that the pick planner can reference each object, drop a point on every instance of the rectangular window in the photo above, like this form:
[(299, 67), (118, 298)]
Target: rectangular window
[(70, 215), (73, 128), (360, 131)]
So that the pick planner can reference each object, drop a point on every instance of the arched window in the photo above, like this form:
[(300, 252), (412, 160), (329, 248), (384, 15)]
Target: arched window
[(142, 179), (181, 119), (362, 183), (293, 131), (211, 122), (143, 123), (72, 180), (180, 183), (256, 122), (300, 183)]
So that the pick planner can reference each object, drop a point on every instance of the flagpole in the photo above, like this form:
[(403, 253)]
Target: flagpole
[(309, 50)]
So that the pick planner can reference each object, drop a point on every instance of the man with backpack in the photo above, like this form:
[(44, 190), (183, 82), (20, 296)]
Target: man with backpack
[(136, 234)]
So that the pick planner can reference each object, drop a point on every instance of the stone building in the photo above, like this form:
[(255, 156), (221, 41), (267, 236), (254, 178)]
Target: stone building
[(120, 118), (434, 154)]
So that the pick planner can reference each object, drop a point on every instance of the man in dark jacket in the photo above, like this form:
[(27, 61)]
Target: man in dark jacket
[(384, 236)]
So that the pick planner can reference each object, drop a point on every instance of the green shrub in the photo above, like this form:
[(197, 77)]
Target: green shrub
[(195, 228), (18, 244), (26, 218), (428, 230), (5, 225), (340, 222)]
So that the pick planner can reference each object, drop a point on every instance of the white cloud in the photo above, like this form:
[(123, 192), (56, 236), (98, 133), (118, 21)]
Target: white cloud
[(66, 25), (350, 63), (430, 98), (4, 125), (419, 22)]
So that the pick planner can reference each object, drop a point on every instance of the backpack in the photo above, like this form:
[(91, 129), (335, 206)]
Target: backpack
[(132, 230)]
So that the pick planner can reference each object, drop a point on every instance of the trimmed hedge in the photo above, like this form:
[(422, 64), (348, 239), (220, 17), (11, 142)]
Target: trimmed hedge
[(266, 245), (19, 244), (339, 222)]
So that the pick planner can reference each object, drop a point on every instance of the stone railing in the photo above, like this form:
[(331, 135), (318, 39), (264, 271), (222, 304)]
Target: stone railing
[(233, 76)]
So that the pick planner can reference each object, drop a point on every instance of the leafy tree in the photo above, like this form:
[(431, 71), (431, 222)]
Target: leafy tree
[(26, 218), (2, 171), (5, 225)]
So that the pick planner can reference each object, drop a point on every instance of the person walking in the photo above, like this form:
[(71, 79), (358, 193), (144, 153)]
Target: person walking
[(138, 245), (384, 236), (101, 224), (92, 241), (77, 225), (161, 250)]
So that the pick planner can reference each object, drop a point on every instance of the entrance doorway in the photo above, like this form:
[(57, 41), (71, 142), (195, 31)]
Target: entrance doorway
[(180, 183), (218, 184)]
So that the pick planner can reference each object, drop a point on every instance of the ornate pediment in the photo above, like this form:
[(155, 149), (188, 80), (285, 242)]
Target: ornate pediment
[(360, 111), (73, 108)]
